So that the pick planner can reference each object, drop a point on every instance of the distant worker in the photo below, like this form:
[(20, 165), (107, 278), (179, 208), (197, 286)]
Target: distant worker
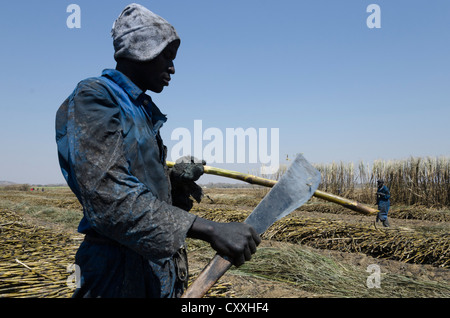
[(383, 203)]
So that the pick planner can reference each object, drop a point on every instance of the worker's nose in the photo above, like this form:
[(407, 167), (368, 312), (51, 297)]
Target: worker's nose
[(172, 68)]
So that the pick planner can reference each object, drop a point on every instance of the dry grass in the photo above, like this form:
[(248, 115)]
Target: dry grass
[(323, 275), (311, 274)]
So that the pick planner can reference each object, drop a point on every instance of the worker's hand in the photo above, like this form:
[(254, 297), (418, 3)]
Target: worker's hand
[(188, 168), (236, 241), (183, 175)]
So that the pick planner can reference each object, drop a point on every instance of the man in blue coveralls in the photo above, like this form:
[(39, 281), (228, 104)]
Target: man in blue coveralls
[(383, 203), (135, 209)]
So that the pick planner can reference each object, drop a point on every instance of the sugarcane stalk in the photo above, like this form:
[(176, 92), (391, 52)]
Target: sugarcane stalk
[(34, 271), (350, 204)]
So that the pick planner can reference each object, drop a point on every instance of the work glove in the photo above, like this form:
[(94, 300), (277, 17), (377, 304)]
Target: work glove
[(183, 175), (235, 240)]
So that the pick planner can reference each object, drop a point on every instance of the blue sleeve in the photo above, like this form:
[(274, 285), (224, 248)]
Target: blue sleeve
[(386, 192), (116, 204)]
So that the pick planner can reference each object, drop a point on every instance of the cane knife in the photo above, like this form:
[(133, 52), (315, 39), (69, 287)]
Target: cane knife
[(295, 187)]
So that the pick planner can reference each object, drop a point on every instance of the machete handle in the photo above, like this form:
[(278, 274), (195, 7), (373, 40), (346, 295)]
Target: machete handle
[(208, 277)]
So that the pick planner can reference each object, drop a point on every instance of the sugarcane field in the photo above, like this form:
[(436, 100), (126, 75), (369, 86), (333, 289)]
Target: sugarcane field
[(321, 250)]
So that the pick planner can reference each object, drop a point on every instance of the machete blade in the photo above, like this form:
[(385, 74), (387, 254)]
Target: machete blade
[(295, 187)]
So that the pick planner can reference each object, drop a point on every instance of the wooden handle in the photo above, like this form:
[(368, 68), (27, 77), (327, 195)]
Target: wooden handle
[(208, 277)]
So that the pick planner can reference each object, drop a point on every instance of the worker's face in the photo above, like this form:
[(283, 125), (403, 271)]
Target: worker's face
[(155, 74)]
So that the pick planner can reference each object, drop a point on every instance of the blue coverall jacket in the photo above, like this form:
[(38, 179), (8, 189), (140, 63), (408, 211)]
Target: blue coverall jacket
[(112, 157), (383, 196)]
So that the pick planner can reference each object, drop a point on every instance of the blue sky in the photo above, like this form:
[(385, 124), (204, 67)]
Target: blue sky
[(336, 89)]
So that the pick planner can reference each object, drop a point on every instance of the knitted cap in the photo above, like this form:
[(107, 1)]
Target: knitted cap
[(140, 35)]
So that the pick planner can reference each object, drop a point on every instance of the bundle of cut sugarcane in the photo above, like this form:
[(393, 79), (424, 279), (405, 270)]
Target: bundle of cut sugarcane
[(402, 245), (36, 262), (33, 260), (417, 213)]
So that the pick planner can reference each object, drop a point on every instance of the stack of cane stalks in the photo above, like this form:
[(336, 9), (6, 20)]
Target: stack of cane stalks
[(396, 244), (37, 262), (34, 261)]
